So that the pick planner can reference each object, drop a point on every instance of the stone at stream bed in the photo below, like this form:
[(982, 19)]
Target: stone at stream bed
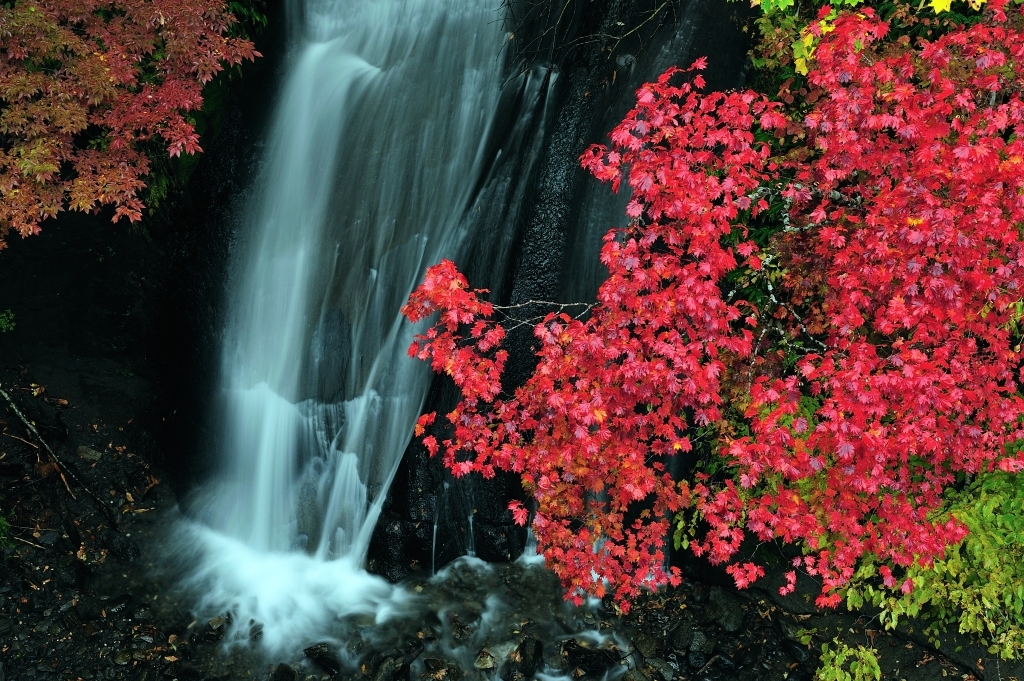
[(788, 629), (663, 668), (123, 547), (89, 454), (635, 675), (587, 659), (524, 660), (283, 672), (724, 609), (484, 660), (796, 651), (88, 609), (646, 645), (119, 605), (71, 576), (442, 669), (701, 643), (726, 664), (323, 657), (392, 669), (682, 637)]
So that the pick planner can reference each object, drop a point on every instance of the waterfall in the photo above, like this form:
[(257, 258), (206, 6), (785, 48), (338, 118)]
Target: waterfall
[(381, 152)]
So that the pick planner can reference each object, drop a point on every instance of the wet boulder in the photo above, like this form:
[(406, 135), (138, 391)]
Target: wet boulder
[(663, 668), (392, 669), (724, 609), (322, 656), (586, 659), (441, 669), (682, 637), (524, 660), (283, 672), (644, 644)]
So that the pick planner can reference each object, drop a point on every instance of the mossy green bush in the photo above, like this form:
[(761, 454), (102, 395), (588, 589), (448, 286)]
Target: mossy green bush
[(840, 662), (979, 585)]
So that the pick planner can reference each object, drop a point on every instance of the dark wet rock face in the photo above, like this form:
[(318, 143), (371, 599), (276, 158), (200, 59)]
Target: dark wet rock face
[(724, 610)]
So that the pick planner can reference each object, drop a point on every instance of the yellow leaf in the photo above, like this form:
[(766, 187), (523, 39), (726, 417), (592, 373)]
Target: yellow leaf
[(941, 5), (801, 66)]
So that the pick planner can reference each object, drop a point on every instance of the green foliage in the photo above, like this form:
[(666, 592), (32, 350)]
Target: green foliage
[(7, 322), (979, 585), (805, 636), (786, 46), (840, 662), (5, 529), (251, 16)]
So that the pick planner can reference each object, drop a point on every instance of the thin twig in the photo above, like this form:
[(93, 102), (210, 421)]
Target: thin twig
[(704, 668), (60, 464), (59, 471), (539, 302), (15, 437), (34, 529), (28, 542)]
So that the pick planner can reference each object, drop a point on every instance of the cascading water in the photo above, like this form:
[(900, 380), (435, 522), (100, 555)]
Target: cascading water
[(379, 142)]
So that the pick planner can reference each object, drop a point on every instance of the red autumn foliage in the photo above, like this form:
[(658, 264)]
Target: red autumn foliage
[(909, 194), (914, 199), (84, 82), (590, 430)]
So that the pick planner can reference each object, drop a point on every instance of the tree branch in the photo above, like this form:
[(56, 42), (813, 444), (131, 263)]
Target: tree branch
[(111, 518)]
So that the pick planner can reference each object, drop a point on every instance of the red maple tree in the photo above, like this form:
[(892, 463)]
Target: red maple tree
[(905, 194), (84, 82), (913, 200), (591, 428)]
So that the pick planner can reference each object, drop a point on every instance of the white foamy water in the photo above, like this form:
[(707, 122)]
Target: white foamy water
[(377, 144)]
